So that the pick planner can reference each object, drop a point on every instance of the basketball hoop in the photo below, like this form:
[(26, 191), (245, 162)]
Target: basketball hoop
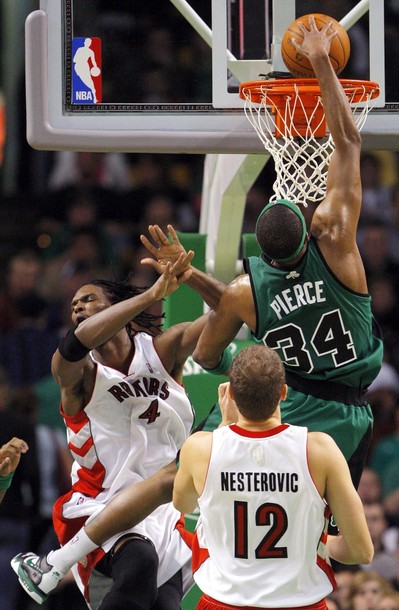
[(288, 116)]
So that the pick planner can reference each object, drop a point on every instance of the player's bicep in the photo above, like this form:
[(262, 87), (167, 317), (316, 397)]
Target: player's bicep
[(67, 373), (221, 328)]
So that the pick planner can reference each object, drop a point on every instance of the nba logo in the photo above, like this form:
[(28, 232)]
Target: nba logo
[(86, 71)]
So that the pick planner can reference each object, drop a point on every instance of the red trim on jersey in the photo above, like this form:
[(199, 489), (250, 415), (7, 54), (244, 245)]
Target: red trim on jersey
[(258, 433), (321, 561), (208, 603), (75, 422), (90, 482), (185, 534), (84, 449), (199, 555), (327, 569)]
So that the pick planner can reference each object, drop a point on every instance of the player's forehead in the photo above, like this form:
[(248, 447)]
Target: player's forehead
[(89, 290)]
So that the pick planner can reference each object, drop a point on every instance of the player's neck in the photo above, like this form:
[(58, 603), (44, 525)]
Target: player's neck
[(259, 426), (116, 353)]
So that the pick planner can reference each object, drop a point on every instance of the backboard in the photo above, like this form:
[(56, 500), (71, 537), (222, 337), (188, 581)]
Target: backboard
[(163, 77)]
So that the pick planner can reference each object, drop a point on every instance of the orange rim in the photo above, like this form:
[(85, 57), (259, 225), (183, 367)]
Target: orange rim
[(278, 90)]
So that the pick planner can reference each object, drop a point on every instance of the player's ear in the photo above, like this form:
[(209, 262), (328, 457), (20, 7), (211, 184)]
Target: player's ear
[(284, 392)]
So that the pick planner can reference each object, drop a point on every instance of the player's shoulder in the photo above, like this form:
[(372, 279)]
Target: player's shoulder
[(197, 442), (323, 451), (239, 287), (320, 440)]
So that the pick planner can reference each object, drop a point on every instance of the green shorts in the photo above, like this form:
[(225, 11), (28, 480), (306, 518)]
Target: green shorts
[(349, 425)]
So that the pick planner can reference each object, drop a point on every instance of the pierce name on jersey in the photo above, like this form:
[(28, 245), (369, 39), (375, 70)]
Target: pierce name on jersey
[(298, 295)]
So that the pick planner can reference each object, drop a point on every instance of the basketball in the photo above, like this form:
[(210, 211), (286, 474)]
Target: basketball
[(95, 71), (298, 64)]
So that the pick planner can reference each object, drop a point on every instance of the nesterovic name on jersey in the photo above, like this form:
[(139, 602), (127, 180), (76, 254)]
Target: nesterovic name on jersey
[(259, 481), (298, 295), (147, 386)]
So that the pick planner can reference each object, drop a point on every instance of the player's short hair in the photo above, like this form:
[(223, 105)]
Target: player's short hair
[(257, 377), (281, 230)]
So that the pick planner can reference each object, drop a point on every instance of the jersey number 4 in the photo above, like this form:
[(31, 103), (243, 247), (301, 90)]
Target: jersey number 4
[(267, 514), (329, 337), (151, 413)]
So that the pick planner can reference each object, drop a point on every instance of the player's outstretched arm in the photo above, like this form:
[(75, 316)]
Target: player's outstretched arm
[(236, 307), (335, 220)]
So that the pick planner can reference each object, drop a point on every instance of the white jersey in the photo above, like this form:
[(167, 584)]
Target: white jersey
[(132, 426), (261, 535)]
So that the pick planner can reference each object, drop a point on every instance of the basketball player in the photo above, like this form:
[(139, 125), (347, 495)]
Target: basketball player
[(127, 416), (10, 454), (306, 295), (261, 538)]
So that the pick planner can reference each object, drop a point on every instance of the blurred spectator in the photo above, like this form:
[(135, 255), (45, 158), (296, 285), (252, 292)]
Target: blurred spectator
[(390, 601), (332, 603), (81, 262), (391, 505), (369, 488), (23, 274), (383, 396), (385, 457), (147, 172), (21, 502), (343, 578), (81, 212), (85, 170), (394, 224), (384, 297), (26, 350), (385, 540), (375, 195), (374, 247), (366, 590)]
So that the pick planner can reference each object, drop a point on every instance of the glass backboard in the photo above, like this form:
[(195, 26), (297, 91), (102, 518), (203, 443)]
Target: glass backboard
[(158, 76)]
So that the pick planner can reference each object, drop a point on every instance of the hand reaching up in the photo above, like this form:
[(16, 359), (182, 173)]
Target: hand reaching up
[(164, 250)]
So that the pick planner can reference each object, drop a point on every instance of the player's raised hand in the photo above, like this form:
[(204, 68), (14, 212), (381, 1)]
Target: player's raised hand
[(228, 407), (165, 249), (172, 276), (314, 40)]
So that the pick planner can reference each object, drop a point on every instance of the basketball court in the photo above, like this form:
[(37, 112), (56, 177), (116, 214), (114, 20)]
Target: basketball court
[(78, 100)]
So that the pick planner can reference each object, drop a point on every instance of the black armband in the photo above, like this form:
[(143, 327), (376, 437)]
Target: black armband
[(71, 348)]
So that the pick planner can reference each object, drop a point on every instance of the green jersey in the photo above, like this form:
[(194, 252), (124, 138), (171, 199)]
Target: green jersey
[(321, 330)]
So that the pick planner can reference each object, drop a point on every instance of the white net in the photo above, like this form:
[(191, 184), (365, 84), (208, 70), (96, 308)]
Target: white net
[(289, 132)]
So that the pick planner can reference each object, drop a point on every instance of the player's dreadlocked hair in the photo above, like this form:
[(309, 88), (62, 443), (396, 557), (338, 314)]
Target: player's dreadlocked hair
[(120, 291)]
